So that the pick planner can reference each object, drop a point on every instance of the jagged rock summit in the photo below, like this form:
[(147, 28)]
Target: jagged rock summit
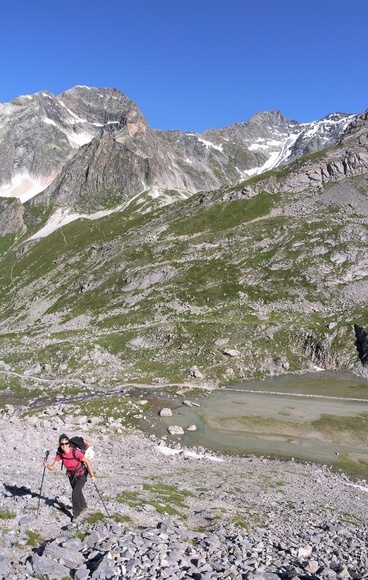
[(41, 132), (45, 137)]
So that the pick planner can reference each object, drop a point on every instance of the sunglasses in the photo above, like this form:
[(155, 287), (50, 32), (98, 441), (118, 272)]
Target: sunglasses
[(62, 444)]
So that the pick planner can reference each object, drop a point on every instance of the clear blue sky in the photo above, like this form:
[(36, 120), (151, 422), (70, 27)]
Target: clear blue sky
[(193, 64)]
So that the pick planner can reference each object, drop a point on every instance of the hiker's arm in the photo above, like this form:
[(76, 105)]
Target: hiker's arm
[(51, 466), (89, 467)]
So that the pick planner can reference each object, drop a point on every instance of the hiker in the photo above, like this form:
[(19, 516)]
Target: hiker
[(78, 467)]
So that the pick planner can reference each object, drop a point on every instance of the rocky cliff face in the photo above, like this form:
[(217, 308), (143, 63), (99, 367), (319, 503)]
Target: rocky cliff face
[(11, 220), (104, 173), (41, 133), (348, 158)]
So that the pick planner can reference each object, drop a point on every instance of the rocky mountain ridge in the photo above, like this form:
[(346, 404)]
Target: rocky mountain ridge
[(348, 158), (41, 133)]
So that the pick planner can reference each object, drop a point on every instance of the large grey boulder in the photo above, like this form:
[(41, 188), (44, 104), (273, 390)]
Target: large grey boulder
[(48, 568)]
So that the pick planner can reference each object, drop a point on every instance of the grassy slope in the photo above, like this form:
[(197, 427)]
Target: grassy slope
[(173, 287)]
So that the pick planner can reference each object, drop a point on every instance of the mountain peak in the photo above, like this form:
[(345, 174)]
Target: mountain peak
[(47, 132)]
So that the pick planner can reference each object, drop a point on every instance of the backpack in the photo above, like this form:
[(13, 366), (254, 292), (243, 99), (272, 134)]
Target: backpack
[(79, 443)]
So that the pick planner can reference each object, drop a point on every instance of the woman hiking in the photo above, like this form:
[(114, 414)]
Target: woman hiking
[(78, 467)]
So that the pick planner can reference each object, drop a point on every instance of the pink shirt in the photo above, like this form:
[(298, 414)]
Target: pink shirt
[(68, 459)]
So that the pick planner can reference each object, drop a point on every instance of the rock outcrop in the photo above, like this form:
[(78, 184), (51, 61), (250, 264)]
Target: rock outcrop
[(104, 173), (11, 217), (361, 343)]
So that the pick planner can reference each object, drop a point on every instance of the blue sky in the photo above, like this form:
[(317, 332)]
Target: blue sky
[(193, 64)]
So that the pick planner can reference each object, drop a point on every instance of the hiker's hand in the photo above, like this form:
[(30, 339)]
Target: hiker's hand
[(93, 478)]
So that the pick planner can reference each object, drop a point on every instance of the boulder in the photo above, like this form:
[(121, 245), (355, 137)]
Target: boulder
[(231, 352), (195, 372), (175, 430), (165, 412)]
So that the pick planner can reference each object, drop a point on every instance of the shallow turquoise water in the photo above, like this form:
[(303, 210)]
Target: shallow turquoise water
[(318, 417)]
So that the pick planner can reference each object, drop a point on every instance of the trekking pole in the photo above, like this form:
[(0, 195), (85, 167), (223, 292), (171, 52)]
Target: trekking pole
[(43, 475), (103, 503), (101, 499)]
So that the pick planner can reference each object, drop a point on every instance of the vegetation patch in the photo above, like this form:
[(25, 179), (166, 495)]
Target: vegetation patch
[(165, 498), (6, 514), (95, 518), (34, 538), (227, 216), (341, 429), (130, 498), (240, 522), (121, 519)]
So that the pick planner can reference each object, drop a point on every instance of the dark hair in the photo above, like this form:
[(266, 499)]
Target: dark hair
[(63, 436)]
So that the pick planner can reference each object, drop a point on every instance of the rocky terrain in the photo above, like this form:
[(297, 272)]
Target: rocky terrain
[(165, 512)]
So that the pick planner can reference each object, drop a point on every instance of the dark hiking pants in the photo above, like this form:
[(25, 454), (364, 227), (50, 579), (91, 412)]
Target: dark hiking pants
[(78, 501)]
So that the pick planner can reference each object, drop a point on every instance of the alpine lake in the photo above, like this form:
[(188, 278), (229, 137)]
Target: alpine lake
[(319, 417)]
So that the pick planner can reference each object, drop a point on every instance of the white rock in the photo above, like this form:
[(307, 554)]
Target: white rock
[(231, 352), (175, 430), (195, 372), (312, 566), (32, 420), (82, 420), (187, 403), (305, 552), (165, 412)]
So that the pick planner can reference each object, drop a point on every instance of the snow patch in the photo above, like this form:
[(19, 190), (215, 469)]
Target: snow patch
[(79, 119), (166, 198), (24, 187), (64, 216), (168, 451), (49, 121), (76, 140), (206, 143), (361, 487), (264, 144), (276, 157), (155, 192)]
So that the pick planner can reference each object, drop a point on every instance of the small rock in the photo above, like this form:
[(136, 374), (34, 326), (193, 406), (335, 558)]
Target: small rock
[(231, 352), (175, 430), (165, 412)]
